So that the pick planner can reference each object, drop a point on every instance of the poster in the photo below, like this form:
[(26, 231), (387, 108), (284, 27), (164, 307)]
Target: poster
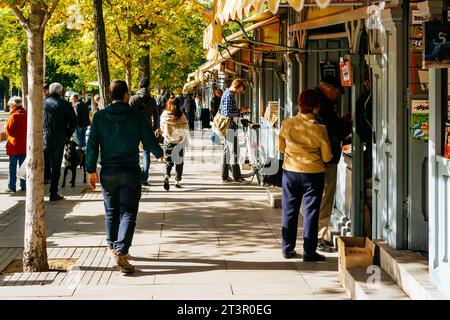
[(420, 114), (346, 73), (437, 46), (447, 141)]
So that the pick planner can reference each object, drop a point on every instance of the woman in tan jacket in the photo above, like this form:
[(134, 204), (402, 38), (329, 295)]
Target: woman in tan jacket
[(305, 144)]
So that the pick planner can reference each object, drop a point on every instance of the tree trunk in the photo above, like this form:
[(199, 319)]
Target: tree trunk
[(102, 55), (144, 64), (35, 247), (6, 93), (24, 73)]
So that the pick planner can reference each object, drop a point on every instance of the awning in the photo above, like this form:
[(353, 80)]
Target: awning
[(236, 9), (212, 36)]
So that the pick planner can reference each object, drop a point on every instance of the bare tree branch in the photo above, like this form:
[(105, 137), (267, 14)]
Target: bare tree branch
[(115, 53), (44, 6), (118, 33), (23, 21), (49, 13)]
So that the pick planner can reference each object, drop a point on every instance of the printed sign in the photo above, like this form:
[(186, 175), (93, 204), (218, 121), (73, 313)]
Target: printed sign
[(346, 73), (329, 68), (420, 115), (417, 18)]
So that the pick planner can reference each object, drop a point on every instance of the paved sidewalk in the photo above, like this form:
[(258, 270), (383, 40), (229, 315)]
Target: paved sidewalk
[(205, 241)]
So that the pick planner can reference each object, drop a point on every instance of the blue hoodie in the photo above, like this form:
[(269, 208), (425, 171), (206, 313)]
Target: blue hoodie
[(118, 130)]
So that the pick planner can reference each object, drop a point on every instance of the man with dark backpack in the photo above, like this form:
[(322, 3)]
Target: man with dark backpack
[(144, 102)]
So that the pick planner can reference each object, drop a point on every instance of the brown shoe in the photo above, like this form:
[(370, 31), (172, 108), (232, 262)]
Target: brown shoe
[(122, 263)]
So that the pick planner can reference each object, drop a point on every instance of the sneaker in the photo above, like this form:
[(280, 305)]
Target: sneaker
[(122, 263), (290, 254), (227, 180), (56, 197), (178, 184), (145, 183), (166, 184), (313, 257), (325, 247), (241, 180), (8, 191)]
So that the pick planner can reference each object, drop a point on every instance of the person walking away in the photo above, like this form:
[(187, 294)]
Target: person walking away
[(16, 145), (189, 109), (228, 108), (330, 91), (60, 122), (306, 147), (116, 133), (173, 125), (215, 102), (82, 112), (145, 103), (161, 101)]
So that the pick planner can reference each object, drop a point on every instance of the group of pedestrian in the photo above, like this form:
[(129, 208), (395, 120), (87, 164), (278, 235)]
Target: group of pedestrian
[(311, 144)]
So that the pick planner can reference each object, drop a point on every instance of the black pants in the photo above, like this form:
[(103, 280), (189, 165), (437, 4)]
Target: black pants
[(52, 169), (231, 154), (174, 154)]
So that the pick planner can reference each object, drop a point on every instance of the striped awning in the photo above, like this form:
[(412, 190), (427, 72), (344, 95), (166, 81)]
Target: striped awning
[(236, 9)]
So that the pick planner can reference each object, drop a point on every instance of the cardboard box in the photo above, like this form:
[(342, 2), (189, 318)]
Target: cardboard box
[(354, 252)]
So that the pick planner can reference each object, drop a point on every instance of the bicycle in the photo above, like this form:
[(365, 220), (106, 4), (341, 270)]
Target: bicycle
[(253, 160)]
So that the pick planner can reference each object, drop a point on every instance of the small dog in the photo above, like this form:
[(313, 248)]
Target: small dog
[(73, 157)]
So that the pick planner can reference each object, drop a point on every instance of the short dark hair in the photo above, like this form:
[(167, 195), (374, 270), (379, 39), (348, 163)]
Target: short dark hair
[(46, 86), (144, 83), (308, 100), (117, 89)]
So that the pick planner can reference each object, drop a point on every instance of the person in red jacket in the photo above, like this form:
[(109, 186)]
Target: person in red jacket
[(16, 146)]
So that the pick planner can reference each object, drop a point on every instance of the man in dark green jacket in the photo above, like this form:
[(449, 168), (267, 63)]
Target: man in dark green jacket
[(117, 131)]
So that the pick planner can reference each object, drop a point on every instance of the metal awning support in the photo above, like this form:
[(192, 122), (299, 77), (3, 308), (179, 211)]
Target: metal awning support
[(285, 48)]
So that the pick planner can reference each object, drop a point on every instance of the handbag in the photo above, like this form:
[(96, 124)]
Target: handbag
[(159, 135), (221, 123), (22, 172)]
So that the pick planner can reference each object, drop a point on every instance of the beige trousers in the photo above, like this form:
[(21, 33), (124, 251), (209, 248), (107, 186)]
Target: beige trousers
[(327, 203)]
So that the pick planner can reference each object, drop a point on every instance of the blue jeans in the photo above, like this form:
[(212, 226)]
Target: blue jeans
[(52, 170), (81, 136), (297, 186), (121, 188), (13, 161), (146, 161)]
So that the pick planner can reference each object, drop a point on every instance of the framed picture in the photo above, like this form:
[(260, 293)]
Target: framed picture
[(437, 45)]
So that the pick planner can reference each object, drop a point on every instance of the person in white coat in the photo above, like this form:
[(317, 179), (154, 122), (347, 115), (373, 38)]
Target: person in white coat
[(173, 124)]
